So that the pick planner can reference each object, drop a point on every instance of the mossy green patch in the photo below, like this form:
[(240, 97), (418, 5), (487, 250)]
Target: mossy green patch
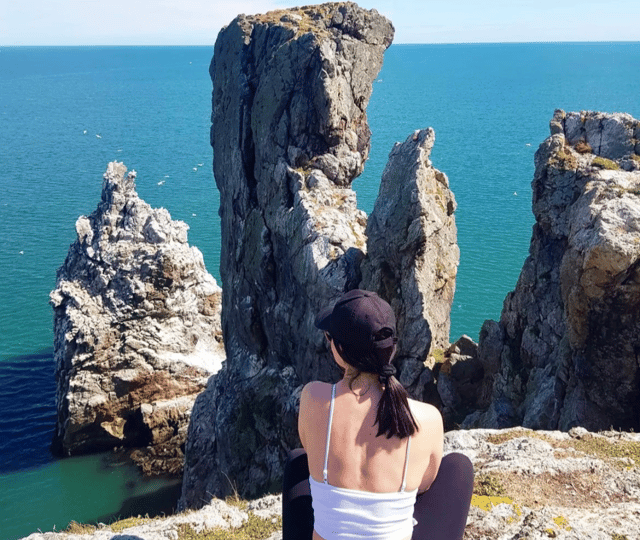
[(488, 485), (613, 452), (610, 450), (604, 163), (255, 528), (123, 524), (499, 438)]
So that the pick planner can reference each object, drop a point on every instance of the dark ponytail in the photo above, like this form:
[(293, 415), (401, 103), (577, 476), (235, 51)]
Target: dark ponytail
[(394, 417)]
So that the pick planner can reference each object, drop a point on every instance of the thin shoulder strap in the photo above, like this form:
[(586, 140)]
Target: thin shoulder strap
[(406, 466), (326, 451)]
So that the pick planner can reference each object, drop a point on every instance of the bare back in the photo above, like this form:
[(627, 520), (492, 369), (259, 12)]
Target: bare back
[(357, 458)]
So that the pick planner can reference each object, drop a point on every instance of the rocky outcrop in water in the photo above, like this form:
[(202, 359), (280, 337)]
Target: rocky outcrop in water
[(137, 330), (412, 256), (565, 352), (289, 135)]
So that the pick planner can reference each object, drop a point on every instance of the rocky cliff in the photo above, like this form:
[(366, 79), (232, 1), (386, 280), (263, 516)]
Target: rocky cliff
[(137, 330), (289, 135), (565, 352)]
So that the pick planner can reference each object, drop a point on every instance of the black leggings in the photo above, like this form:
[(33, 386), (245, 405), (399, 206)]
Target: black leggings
[(441, 511)]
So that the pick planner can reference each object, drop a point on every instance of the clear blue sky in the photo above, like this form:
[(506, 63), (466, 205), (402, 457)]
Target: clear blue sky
[(197, 22)]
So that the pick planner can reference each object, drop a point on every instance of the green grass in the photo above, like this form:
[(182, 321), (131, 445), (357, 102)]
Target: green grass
[(604, 163), (121, 525), (255, 528)]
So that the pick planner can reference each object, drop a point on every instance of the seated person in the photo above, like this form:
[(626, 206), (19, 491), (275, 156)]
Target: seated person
[(372, 464)]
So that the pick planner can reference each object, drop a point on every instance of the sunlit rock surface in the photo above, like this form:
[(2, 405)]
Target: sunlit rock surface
[(137, 330)]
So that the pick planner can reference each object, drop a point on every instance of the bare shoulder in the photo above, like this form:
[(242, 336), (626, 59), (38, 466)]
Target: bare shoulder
[(426, 415), (314, 391), (315, 396), (313, 401)]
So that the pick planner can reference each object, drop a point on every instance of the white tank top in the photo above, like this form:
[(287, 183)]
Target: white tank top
[(350, 513)]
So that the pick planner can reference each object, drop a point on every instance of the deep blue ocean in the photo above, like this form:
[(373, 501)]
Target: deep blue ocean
[(66, 112)]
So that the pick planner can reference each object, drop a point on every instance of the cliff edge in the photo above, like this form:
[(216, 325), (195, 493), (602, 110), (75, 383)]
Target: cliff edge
[(565, 351), (537, 485)]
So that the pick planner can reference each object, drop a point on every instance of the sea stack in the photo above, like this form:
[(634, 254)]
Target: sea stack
[(412, 257), (289, 136), (565, 352), (137, 330)]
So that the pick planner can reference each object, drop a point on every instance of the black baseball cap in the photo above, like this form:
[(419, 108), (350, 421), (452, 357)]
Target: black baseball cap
[(356, 319)]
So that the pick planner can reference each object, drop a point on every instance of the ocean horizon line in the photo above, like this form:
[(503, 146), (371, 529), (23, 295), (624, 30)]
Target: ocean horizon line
[(407, 44)]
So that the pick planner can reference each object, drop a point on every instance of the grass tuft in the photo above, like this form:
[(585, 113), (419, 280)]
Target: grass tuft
[(121, 525), (255, 528), (78, 528), (583, 147), (604, 163)]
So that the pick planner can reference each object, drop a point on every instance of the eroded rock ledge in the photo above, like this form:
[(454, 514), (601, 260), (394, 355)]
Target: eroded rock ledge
[(137, 330)]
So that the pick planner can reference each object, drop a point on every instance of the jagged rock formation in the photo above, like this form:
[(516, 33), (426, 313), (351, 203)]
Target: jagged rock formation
[(528, 484), (412, 256), (566, 350), (137, 330), (289, 136)]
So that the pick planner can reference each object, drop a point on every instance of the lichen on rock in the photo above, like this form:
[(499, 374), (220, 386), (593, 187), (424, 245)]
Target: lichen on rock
[(137, 330)]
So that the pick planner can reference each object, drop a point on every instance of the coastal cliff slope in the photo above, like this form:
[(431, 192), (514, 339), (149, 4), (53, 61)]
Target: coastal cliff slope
[(137, 330), (565, 352), (289, 135)]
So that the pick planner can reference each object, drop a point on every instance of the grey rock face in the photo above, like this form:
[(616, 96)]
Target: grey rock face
[(289, 135), (548, 484), (568, 338), (137, 330), (412, 254)]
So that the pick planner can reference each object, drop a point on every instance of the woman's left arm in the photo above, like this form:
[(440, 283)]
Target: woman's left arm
[(303, 413)]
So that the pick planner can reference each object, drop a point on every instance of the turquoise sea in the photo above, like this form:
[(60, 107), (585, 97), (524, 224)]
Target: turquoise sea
[(66, 112)]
